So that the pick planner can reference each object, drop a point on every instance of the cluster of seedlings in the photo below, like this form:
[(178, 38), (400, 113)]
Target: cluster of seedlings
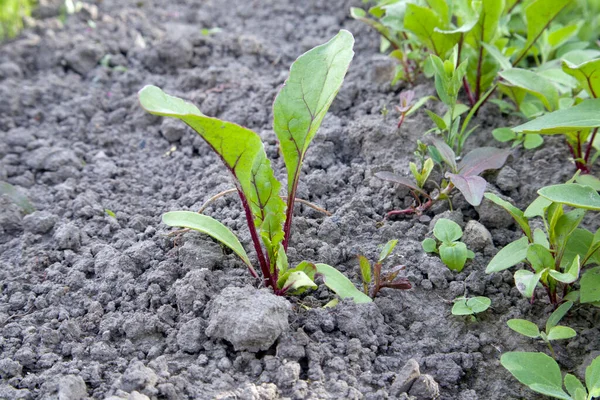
[(527, 57)]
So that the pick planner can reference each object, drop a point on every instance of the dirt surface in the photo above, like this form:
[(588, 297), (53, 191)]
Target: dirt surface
[(94, 305)]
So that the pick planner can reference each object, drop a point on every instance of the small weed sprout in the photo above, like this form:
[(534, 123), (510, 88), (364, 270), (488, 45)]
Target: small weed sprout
[(454, 254), (374, 279)]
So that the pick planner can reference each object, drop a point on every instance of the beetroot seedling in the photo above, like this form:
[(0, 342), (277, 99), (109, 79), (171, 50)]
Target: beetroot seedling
[(454, 254), (315, 78), (374, 279)]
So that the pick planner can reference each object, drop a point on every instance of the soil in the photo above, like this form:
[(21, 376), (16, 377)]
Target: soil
[(98, 300)]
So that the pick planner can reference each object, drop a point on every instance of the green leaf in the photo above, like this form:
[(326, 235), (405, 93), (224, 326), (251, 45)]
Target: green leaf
[(504, 135), (510, 255), (532, 141), (536, 370), (585, 115), (298, 280), (210, 226), (341, 285), (526, 281), (558, 314), (365, 269), (447, 231), (110, 213), (561, 332), (482, 159), (454, 255), (539, 237), (471, 186), (387, 249), (578, 245), (539, 15), (574, 385), (539, 257), (524, 327), (429, 245), (314, 81), (587, 74), (282, 261), (306, 267), (570, 275), (589, 180), (590, 286), (474, 305), (592, 378), (422, 21), (502, 60), (395, 178), (446, 153), (572, 194), (513, 211), (437, 120), (532, 83), (8, 190), (242, 151), (537, 208)]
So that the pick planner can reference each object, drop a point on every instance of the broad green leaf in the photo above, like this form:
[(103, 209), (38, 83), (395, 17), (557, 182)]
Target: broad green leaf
[(561, 332), (539, 237), (387, 249), (297, 280), (592, 378), (502, 60), (572, 194), (590, 286), (365, 269), (532, 83), (446, 230), (573, 385), (314, 81), (510, 255), (437, 120), (282, 261), (539, 257), (446, 153), (587, 74), (242, 151), (471, 186), (483, 159), (8, 190), (539, 15), (526, 281), (536, 370), (565, 226), (594, 246), (589, 180), (209, 226), (532, 141), (454, 255), (578, 245), (422, 21), (306, 267), (341, 285), (583, 116), (474, 305), (558, 314), (504, 135), (524, 327), (537, 208), (513, 211), (429, 245)]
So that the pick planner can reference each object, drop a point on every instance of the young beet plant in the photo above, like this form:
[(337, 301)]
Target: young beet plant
[(452, 252), (315, 78)]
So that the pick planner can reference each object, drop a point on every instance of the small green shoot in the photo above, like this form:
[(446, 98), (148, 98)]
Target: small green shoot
[(454, 254), (373, 278), (470, 305), (541, 374), (11, 192), (552, 332)]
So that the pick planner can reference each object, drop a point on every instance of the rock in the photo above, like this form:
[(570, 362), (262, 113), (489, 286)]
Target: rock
[(361, 321), (455, 216), (288, 374), (10, 368), (71, 387), (494, 216), (248, 318), (11, 220), (67, 237), (191, 335), (476, 236), (200, 253), (84, 58), (137, 396), (39, 222), (52, 159), (172, 130), (425, 388), (10, 70), (405, 378), (19, 137), (138, 377), (507, 179)]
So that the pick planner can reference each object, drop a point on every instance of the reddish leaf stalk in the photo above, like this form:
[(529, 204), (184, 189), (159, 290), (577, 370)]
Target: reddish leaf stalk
[(589, 146), (289, 213), (419, 210)]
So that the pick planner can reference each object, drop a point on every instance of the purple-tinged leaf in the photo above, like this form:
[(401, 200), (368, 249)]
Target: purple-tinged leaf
[(400, 283), (471, 186), (392, 177), (446, 152), (482, 159)]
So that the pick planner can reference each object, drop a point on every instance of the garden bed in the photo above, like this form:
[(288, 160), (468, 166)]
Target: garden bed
[(98, 299)]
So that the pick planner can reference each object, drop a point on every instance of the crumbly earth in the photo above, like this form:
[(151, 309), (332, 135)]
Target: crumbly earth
[(106, 304)]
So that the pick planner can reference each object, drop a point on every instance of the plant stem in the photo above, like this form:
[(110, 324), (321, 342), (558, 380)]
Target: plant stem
[(589, 147), (467, 88), (419, 210), (289, 213)]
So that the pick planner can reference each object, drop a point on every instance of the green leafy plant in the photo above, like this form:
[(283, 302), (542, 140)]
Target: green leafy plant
[(558, 254), (315, 78), (373, 278), (553, 330), (452, 252), (470, 305), (463, 176), (529, 142), (12, 13), (541, 374)]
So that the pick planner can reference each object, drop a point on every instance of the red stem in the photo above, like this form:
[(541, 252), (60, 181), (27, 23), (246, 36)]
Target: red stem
[(589, 147), (289, 214), (469, 92)]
